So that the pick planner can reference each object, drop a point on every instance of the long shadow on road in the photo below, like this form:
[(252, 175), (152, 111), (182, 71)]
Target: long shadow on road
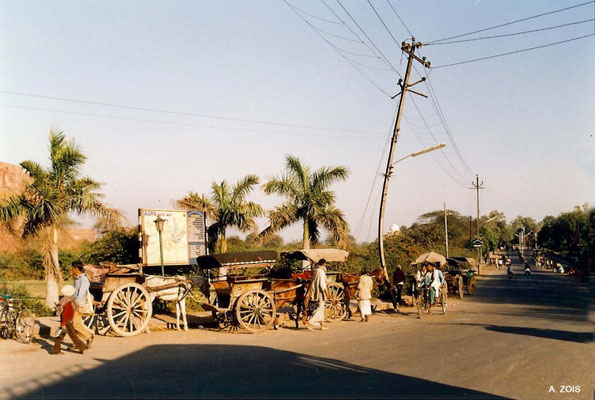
[(578, 337), (221, 371), (542, 295)]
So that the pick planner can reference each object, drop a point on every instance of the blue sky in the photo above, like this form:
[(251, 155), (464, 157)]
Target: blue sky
[(524, 122)]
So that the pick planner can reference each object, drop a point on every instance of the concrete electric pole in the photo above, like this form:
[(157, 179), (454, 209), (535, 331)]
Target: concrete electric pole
[(409, 49)]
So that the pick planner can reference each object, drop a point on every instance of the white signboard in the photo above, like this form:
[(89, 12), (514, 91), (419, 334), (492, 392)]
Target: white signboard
[(183, 236)]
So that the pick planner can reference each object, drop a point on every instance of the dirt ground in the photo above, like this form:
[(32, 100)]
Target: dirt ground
[(528, 338)]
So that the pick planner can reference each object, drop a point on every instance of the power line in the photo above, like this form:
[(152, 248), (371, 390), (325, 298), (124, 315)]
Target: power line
[(511, 22), (362, 73), (273, 123), (512, 52), (184, 123), (511, 34), (399, 17), (382, 22), (315, 17)]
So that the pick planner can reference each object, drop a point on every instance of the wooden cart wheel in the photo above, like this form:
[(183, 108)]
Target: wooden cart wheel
[(129, 309), (471, 286), (334, 306), (461, 285), (255, 311)]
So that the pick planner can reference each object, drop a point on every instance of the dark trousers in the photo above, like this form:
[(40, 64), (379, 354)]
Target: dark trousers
[(399, 290)]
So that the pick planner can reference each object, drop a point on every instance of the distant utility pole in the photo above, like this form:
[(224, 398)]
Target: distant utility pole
[(445, 230), (477, 186), (409, 49)]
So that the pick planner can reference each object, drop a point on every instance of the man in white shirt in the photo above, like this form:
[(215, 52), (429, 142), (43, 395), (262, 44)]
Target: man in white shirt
[(318, 294), (365, 287)]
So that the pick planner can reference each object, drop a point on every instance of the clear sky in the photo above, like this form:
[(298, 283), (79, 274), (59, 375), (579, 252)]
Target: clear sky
[(524, 123)]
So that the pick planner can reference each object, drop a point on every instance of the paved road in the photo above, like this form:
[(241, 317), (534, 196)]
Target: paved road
[(512, 339)]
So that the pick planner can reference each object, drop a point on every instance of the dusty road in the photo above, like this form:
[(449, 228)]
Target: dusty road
[(520, 339)]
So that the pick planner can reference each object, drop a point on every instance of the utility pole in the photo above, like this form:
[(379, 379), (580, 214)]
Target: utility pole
[(445, 230), (477, 186), (409, 49)]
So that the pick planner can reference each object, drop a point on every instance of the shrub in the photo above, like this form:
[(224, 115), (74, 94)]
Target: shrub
[(20, 292)]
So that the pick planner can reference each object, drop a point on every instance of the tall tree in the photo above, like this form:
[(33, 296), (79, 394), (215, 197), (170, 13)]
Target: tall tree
[(47, 200), (309, 200), (228, 207)]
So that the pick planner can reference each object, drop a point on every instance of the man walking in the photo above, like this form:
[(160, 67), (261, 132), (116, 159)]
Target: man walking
[(399, 281), (319, 294), (364, 296), (80, 297)]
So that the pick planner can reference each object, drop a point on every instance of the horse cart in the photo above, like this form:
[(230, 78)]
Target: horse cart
[(238, 289), (123, 297), (459, 275), (336, 304)]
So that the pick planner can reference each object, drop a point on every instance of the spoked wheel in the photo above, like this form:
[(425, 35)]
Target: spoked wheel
[(471, 286), (129, 309), (334, 306), (98, 323), (443, 297), (255, 311), (461, 286), (4, 324), (24, 326), (419, 303)]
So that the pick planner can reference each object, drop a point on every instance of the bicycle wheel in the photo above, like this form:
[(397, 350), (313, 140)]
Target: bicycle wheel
[(4, 323), (24, 326), (419, 304)]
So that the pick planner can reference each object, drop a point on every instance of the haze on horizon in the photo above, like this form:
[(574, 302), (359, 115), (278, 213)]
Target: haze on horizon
[(524, 122)]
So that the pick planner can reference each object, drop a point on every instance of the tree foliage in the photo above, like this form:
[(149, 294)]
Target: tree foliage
[(228, 207), (309, 201)]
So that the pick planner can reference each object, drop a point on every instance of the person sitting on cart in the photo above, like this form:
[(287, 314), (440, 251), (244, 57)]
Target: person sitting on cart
[(318, 294)]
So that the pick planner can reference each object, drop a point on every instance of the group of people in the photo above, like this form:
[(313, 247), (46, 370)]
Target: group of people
[(430, 276), (319, 294)]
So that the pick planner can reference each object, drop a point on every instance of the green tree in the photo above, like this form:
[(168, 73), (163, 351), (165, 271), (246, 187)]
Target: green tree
[(117, 245), (309, 200), (46, 202), (228, 207)]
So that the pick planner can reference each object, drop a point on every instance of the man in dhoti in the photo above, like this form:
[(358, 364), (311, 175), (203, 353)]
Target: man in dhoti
[(364, 295), (318, 294)]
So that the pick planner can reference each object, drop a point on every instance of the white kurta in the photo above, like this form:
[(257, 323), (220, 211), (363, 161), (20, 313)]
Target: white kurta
[(365, 287), (318, 294)]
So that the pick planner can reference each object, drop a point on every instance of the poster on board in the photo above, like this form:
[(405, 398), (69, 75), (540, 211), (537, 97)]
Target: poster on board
[(184, 236)]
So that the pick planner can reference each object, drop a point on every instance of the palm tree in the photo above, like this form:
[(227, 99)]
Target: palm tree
[(308, 200), (49, 198), (228, 207)]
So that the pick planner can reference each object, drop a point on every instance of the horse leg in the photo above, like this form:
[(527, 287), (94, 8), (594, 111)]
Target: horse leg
[(178, 316), (183, 307)]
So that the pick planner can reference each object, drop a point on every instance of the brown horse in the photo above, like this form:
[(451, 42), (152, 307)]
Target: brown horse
[(350, 282), (289, 292)]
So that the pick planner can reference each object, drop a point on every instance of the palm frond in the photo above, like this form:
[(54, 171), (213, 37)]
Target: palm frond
[(194, 201), (280, 217), (243, 187), (284, 185), (35, 170), (12, 207), (301, 172), (333, 220), (325, 176)]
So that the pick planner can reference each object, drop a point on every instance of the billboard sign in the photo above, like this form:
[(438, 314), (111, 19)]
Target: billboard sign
[(184, 236)]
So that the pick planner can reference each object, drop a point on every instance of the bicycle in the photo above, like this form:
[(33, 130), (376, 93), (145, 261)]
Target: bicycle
[(423, 299), (16, 321)]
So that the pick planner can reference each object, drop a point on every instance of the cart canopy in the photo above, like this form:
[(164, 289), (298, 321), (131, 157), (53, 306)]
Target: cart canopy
[(241, 260), (430, 257), (315, 255), (468, 260)]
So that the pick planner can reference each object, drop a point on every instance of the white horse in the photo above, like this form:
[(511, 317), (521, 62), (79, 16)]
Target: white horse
[(174, 288)]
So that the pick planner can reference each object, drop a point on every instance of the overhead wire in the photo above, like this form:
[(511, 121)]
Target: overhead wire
[(513, 52), (400, 19), (184, 123), (511, 34), (511, 22), (187, 114)]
